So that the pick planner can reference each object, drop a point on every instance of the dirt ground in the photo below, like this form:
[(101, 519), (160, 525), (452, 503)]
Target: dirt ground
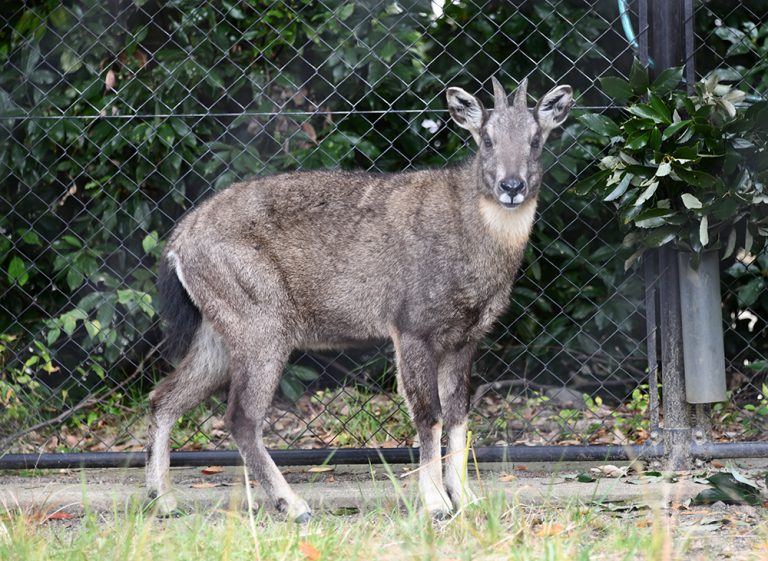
[(714, 531)]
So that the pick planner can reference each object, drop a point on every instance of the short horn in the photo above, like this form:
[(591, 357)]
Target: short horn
[(521, 99), (499, 97)]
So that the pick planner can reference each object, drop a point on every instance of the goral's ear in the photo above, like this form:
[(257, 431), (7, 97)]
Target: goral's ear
[(467, 111), (553, 108)]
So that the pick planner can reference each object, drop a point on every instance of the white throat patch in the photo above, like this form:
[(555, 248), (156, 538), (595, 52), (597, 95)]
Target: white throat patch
[(509, 226)]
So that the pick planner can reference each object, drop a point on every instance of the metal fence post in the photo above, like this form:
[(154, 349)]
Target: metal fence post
[(677, 416), (667, 44)]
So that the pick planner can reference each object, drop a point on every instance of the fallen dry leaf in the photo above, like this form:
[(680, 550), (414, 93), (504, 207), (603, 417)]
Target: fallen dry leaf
[(110, 80), (211, 470), (550, 530), (309, 130), (521, 468), (506, 477), (59, 515), (203, 485), (718, 465), (321, 469), (309, 551)]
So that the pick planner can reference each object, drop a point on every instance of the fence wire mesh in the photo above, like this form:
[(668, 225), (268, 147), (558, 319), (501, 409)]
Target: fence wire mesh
[(732, 44), (117, 117)]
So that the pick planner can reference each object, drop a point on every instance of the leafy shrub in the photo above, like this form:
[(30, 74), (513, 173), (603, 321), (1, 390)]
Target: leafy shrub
[(683, 169)]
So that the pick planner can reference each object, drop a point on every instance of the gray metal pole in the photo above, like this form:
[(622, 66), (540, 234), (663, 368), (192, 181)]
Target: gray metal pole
[(677, 417), (651, 276), (700, 306), (667, 45)]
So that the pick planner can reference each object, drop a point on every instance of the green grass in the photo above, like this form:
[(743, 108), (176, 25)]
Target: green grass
[(495, 529)]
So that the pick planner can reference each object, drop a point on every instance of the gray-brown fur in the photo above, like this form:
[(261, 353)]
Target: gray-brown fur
[(330, 258)]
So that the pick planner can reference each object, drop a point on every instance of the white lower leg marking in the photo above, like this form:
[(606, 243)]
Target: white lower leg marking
[(456, 466), (158, 475), (431, 477)]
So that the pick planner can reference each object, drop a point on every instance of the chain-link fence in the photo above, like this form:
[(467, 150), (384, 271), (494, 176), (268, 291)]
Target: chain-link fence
[(117, 117), (731, 43)]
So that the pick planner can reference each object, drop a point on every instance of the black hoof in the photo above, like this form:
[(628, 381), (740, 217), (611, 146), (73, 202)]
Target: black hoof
[(303, 518), (175, 513)]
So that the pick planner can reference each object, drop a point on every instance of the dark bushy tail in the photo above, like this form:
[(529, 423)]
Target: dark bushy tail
[(178, 312)]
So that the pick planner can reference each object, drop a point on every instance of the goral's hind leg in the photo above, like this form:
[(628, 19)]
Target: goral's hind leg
[(200, 373), (255, 376)]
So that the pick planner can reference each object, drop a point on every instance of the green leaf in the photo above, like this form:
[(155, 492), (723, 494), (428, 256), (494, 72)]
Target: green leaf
[(661, 108), (17, 271), (92, 328), (616, 88), (302, 372), (740, 43), (53, 335), (663, 169), (730, 245), (620, 188), (659, 236), (214, 79), (741, 479), (150, 242), (742, 144), (588, 184), (637, 141), (70, 61), (694, 177), (59, 17), (292, 388), (672, 129), (30, 237), (748, 293), (686, 153), (653, 218), (647, 112), (655, 139), (74, 278), (388, 51), (638, 78), (89, 302), (345, 11), (72, 240), (704, 231), (580, 477), (690, 201), (668, 80), (729, 490), (166, 135), (68, 324), (712, 496), (647, 194), (600, 124)]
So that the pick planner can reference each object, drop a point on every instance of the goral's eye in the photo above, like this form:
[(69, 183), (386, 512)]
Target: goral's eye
[(487, 141)]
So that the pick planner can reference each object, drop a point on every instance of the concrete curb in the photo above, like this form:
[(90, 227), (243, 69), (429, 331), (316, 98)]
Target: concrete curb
[(346, 487)]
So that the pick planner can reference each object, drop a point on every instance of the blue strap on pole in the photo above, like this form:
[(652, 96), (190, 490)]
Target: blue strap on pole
[(629, 33)]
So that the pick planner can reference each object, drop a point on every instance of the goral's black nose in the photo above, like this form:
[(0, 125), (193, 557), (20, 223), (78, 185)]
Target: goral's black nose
[(512, 185)]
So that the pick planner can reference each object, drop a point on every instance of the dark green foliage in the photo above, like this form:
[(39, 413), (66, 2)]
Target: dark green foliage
[(683, 169), (729, 487)]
